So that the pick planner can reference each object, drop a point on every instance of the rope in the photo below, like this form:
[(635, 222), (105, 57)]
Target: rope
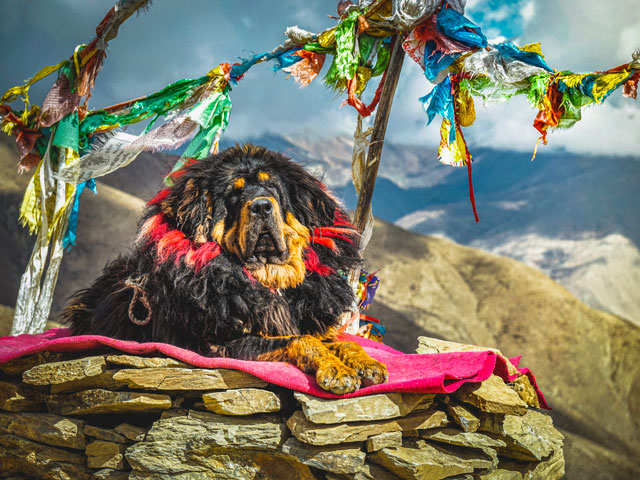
[(139, 295)]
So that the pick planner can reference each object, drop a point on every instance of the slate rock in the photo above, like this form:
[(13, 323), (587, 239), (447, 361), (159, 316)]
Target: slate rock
[(102, 454), (453, 436), (184, 441), (422, 461), (463, 417), (260, 431), (388, 439), (109, 474), (65, 371), (365, 408), (19, 455), (105, 434), (501, 474), (530, 437), (316, 434), (522, 386), (21, 364), (131, 432), (242, 401), (98, 401), (163, 378), (237, 464), (492, 396), (103, 380), (336, 459), (45, 428), (550, 468), (374, 472), (144, 362), (370, 471), (17, 397)]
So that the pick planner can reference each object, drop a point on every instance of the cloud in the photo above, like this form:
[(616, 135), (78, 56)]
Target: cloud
[(503, 126), (603, 130), (568, 40), (629, 40), (528, 11), (585, 38)]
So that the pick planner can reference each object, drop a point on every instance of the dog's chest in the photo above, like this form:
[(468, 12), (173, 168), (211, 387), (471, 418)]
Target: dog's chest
[(277, 318)]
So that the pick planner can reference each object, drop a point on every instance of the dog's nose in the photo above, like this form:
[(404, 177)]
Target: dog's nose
[(262, 207)]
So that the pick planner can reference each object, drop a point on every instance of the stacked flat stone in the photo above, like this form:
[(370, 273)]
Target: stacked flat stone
[(116, 416)]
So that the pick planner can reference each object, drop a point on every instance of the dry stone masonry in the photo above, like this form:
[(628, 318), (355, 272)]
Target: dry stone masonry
[(114, 416)]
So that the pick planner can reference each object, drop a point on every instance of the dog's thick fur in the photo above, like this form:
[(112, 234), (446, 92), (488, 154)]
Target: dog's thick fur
[(244, 256)]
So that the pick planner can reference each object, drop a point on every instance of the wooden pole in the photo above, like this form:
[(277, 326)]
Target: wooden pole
[(363, 215), (363, 210)]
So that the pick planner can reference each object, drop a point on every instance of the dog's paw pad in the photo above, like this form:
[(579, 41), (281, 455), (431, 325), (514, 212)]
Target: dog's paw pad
[(337, 378), (374, 373)]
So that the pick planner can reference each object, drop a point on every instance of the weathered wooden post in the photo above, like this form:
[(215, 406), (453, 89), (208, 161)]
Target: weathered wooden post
[(363, 218)]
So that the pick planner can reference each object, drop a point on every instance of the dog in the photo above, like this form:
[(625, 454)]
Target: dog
[(245, 255)]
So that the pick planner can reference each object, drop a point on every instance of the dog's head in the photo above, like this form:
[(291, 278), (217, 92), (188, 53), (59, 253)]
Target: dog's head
[(255, 204)]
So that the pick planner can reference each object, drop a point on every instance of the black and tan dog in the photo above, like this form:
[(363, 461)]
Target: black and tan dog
[(244, 256)]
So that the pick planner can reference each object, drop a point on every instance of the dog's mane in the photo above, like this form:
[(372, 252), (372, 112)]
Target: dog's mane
[(332, 241)]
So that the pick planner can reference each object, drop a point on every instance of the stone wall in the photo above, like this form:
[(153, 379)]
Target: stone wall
[(115, 416)]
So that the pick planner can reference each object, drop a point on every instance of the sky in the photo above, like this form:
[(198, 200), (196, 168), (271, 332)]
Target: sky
[(185, 39)]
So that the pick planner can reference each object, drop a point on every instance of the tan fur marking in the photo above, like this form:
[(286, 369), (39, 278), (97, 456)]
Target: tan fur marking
[(209, 202), (263, 176), (299, 228), (238, 183), (229, 241), (166, 209), (201, 235), (189, 196), (243, 225), (218, 232)]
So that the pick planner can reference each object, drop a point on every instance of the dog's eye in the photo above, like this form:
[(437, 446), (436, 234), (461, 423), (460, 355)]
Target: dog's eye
[(234, 196)]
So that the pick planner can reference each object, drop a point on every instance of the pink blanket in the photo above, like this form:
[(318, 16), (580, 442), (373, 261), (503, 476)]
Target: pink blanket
[(435, 373)]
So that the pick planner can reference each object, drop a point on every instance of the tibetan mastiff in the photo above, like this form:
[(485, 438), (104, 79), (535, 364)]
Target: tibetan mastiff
[(245, 255)]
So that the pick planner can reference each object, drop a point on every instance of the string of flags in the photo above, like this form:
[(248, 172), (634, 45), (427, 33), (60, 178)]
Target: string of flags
[(67, 145)]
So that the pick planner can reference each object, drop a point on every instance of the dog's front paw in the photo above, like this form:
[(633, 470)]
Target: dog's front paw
[(370, 371), (337, 377)]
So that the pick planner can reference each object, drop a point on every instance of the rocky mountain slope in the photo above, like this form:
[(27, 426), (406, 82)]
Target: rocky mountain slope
[(586, 361)]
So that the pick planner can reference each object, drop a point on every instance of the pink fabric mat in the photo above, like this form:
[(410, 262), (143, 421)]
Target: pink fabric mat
[(435, 373)]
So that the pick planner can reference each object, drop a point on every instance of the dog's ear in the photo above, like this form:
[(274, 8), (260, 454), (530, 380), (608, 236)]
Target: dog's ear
[(195, 212)]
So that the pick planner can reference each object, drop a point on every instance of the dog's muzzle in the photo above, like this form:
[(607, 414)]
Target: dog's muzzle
[(264, 240)]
